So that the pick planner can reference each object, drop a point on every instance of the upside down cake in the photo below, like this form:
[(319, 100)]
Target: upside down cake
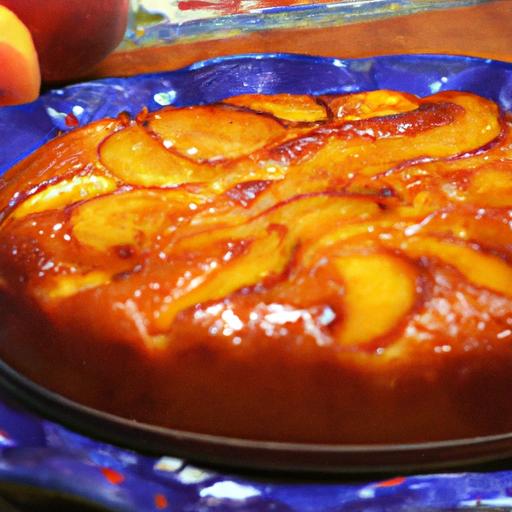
[(333, 269)]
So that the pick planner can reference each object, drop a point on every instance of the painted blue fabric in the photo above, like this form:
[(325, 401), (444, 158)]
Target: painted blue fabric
[(39, 452)]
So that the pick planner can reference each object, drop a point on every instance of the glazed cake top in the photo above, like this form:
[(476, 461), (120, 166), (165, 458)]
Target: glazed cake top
[(367, 225)]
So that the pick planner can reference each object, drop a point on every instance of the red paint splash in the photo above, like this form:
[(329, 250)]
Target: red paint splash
[(113, 476), (241, 6), (225, 6), (161, 501), (71, 120), (392, 482)]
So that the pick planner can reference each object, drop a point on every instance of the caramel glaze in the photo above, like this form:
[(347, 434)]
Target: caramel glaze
[(330, 270)]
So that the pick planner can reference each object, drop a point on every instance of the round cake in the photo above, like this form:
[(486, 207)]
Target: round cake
[(332, 269)]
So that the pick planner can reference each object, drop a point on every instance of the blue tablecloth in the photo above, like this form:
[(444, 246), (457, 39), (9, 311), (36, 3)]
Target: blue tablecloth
[(39, 452)]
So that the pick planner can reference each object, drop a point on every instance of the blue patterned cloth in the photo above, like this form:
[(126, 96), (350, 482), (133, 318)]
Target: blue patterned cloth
[(42, 453)]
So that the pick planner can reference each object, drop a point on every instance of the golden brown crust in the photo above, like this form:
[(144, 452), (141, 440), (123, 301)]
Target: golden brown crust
[(333, 270)]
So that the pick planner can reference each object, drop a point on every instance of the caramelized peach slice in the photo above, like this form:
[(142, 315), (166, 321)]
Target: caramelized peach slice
[(482, 269), (486, 227), (449, 125), (20, 78), (130, 218), (214, 132), (438, 172), (60, 287), (327, 239), (336, 152), (136, 157), (491, 185), (62, 157), (308, 216), (380, 289), (302, 218), (272, 237), (364, 105), (479, 124), (266, 255), (65, 192), (290, 107)]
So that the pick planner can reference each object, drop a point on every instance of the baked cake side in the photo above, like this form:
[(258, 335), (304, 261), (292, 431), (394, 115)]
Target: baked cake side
[(332, 269)]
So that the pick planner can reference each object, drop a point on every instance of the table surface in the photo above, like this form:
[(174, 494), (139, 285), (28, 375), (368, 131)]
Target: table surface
[(483, 30)]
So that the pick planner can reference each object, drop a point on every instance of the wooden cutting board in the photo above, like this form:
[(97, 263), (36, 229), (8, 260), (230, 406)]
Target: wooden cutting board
[(483, 30)]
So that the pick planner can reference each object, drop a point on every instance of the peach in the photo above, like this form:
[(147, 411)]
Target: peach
[(290, 107), (130, 218), (71, 36), (377, 286), (66, 286), (64, 192), (364, 105), (270, 241), (53, 162), (213, 132), (485, 270), (20, 78), (491, 185), (137, 158), (302, 218), (265, 255)]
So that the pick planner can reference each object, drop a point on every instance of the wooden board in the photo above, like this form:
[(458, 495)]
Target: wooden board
[(484, 30)]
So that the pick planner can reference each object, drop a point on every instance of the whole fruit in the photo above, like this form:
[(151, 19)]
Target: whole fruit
[(20, 78), (71, 36)]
